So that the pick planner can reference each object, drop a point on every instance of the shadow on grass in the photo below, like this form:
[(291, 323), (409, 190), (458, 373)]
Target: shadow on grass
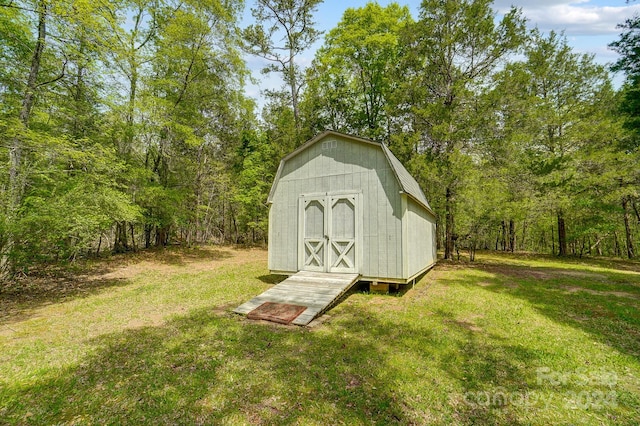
[(212, 367), (272, 278), (181, 256), (19, 298), (489, 257), (367, 365), (604, 304)]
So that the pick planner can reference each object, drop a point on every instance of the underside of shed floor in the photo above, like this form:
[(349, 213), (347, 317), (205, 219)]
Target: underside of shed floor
[(317, 291)]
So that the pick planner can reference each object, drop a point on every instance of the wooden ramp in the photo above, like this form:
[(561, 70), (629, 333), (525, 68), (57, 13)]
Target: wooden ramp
[(315, 290)]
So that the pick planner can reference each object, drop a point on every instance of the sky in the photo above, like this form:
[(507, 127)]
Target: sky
[(589, 25)]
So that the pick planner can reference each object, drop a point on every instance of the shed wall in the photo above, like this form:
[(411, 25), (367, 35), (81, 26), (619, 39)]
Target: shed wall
[(332, 165), (421, 242)]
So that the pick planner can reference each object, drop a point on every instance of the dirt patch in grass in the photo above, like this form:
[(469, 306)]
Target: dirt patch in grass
[(574, 289), (172, 261), (468, 322), (352, 381), (519, 272), (153, 320), (467, 325)]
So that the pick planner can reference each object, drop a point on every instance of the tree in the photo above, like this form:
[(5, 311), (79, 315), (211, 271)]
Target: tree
[(59, 170), (556, 121), (255, 169), (629, 64), (351, 79), (449, 54), (16, 174), (197, 70), (627, 47), (128, 54), (284, 30), (151, 148)]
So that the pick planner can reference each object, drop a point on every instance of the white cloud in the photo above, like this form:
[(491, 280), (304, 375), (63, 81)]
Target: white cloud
[(541, 4), (582, 20), (575, 17)]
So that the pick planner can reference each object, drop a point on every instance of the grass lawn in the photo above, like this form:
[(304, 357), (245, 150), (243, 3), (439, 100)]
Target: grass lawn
[(510, 339)]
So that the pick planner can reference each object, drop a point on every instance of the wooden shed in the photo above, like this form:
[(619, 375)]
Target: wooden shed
[(341, 203)]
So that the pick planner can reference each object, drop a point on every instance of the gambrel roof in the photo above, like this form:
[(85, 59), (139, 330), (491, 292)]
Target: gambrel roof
[(407, 183)]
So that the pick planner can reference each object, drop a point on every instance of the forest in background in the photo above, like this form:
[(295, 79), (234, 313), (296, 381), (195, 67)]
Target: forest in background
[(124, 124)]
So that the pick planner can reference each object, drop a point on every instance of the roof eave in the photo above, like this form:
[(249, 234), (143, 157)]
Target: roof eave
[(420, 203)]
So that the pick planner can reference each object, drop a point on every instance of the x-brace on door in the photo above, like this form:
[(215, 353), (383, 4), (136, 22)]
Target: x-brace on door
[(330, 233)]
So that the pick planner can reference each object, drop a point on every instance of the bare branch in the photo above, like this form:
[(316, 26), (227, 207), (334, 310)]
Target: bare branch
[(59, 77)]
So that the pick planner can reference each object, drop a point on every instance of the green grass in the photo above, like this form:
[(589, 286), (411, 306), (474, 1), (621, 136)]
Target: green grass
[(511, 339)]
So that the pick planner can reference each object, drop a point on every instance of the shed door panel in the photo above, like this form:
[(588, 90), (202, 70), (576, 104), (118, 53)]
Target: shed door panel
[(342, 234), (314, 235), (329, 233)]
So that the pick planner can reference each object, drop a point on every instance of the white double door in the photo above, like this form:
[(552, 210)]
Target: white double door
[(330, 233)]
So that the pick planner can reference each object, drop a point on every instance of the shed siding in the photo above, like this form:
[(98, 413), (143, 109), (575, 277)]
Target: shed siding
[(421, 243), (332, 165)]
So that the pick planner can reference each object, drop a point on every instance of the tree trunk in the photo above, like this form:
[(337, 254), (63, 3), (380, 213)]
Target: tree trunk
[(133, 237), (253, 233), (512, 235), (596, 245), (616, 244), (121, 243), (99, 245), (562, 236), (147, 235), (635, 209), (449, 233), (162, 236), (627, 227), (293, 82), (504, 235), (553, 241), (16, 178), (236, 237)]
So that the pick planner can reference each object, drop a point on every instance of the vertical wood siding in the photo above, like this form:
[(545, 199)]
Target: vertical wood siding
[(421, 243), (334, 164)]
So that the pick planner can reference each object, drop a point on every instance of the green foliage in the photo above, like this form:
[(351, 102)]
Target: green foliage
[(255, 172), (627, 47), (558, 125), (283, 30), (351, 79), (135, 106), (280, 126), (449, 55), (74, 199), (15, 48), (60, 228), (629, 63), (453, 49), (126, 124)]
